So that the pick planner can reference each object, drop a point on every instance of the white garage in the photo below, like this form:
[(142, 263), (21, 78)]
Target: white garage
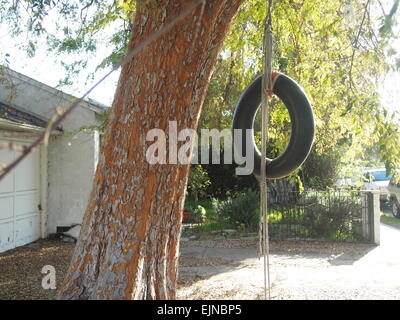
[(49, 191), (19, 199)]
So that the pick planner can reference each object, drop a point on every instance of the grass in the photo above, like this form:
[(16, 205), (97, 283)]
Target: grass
[(391, 221), (216, 225)]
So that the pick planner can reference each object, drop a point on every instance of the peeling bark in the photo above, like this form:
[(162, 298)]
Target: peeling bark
[(129, 242)]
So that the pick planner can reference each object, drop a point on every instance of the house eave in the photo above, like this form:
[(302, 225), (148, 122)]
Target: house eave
[(92, 105), (7, 125)]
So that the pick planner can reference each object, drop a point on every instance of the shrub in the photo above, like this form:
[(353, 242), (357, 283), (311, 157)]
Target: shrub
[(242, 210), (198, 182), (330, 216), (224, 182), (321, 170), (198, 215)]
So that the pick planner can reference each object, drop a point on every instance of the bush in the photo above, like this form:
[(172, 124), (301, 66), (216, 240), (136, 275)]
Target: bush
[(198, 182), (321, 171), (225, 182), (198, 215), (242, 210), (223, 179), (330, 216)]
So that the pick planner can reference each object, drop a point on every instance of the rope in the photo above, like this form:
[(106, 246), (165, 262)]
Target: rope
[(266, 90)]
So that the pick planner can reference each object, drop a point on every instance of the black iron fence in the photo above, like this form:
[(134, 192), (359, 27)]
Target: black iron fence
[(329, 215)]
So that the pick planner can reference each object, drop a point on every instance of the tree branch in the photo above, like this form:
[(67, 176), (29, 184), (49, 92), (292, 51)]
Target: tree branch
[(355, 44), (59, 118)]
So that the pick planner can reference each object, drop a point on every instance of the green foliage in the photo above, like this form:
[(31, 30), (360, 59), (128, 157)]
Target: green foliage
[(198, 215), (336, 57), (321, 215), (224, 181), (336, 50), (322, 170), (198, 182), (330, 217), (74, 29), (188, 207), (204, 219), (241, 210)]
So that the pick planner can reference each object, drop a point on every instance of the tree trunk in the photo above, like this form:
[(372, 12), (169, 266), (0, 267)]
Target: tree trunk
[(129, 243)]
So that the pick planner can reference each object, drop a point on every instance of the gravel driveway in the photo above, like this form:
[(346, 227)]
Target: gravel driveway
[(299, 270), (231, 269)]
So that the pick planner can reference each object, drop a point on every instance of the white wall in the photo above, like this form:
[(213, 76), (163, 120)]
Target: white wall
[(71, 162), (70, 172)]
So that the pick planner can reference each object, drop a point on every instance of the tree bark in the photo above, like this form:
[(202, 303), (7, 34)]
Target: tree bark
[(129, 243)]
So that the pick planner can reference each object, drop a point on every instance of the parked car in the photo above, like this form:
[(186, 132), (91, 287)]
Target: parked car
[(367, 179), (377, 179), (394, 191)]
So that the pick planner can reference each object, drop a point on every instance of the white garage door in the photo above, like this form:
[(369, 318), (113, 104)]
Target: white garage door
[(19, 200)]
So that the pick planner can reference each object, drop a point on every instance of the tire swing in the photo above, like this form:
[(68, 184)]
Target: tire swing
[(301, 139), (302, 121)]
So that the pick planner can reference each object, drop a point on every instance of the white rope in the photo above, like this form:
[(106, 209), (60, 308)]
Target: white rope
[(266, 89)]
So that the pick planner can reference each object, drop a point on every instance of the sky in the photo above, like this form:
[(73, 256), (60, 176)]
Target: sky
[(389, 92), (44, 68), (389, 87)]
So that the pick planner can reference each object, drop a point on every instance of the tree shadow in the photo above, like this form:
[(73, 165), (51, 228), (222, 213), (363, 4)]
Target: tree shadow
[(211, 258), (336, 253), (349, 257)]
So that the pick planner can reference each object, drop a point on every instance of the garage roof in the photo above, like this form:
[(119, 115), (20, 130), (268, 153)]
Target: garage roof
[(86, 103), (14, 113), (16, 117)]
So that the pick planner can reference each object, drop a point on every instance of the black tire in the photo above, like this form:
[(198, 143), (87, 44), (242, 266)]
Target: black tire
[(302, 119), (395, 208)]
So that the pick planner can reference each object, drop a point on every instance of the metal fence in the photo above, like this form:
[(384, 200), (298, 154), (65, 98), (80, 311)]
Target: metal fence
[(322, 215)]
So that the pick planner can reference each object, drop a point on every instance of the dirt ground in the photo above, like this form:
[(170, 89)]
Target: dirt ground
[(231, 269)]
